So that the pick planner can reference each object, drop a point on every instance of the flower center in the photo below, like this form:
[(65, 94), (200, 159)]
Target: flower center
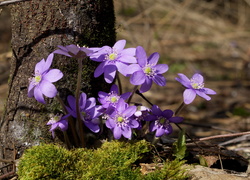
[(38, 78), (196, 85), (85, 115), (149, 71), (55, 118), (113, 97), (120, 119), (112, 56), (162, 120)]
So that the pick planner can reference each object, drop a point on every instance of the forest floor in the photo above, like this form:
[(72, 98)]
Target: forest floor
[(191, 36), (198, 36)]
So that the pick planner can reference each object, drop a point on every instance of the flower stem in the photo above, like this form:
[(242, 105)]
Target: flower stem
[(143, 97), (119, 83), (62, 104), (77, 94), (179, 108), (155, 140), (133, 92), (71, 124), (176, 113), (66, 138)]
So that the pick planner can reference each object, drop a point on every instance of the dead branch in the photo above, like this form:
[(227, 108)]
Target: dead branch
[(223, 136), (236, 140), (4, 3), (7, 175)]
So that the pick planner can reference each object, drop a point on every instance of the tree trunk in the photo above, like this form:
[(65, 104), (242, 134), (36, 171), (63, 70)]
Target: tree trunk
[(37, 28)]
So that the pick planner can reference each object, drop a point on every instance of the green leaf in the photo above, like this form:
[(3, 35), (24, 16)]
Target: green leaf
[(179, 146), (203, 161)]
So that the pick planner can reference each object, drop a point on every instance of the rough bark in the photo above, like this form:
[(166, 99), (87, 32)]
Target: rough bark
[(37, 28)]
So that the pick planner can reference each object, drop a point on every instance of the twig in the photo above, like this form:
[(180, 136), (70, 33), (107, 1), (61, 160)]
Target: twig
[(7, 160), (236, 140), (221, 165), (11, 2), (223, 136), (7, 175), (11, 161)]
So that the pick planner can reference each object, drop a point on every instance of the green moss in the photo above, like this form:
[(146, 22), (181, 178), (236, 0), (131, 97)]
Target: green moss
[(46, 162), (114, 160), (171, 170)]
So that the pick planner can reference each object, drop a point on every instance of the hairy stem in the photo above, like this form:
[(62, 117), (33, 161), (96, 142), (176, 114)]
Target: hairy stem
[(119, 83), (143, 97), (66, 138), (179, 108), (71, 125), (133, 92), (77, 94), (176, 113)]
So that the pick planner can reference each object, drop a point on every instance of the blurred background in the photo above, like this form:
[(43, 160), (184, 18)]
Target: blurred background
[(211, 37), (205, 36)]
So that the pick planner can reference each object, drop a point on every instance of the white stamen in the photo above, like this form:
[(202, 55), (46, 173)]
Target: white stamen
[(149, 71), (196, 85), (111, 56)]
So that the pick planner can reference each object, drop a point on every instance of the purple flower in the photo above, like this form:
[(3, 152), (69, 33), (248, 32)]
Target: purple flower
[(112, 59), (147, 70), (121, 120), (88, 109), (194, 86), (141, 111), (73, 51), (140, 114), (161, 121), (111, 99), (58, 121), (41, 83)]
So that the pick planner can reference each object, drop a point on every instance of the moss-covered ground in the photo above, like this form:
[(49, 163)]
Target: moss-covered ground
[(114, 160)]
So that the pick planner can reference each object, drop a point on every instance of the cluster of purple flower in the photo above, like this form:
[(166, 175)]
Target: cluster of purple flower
[(119, 115)]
